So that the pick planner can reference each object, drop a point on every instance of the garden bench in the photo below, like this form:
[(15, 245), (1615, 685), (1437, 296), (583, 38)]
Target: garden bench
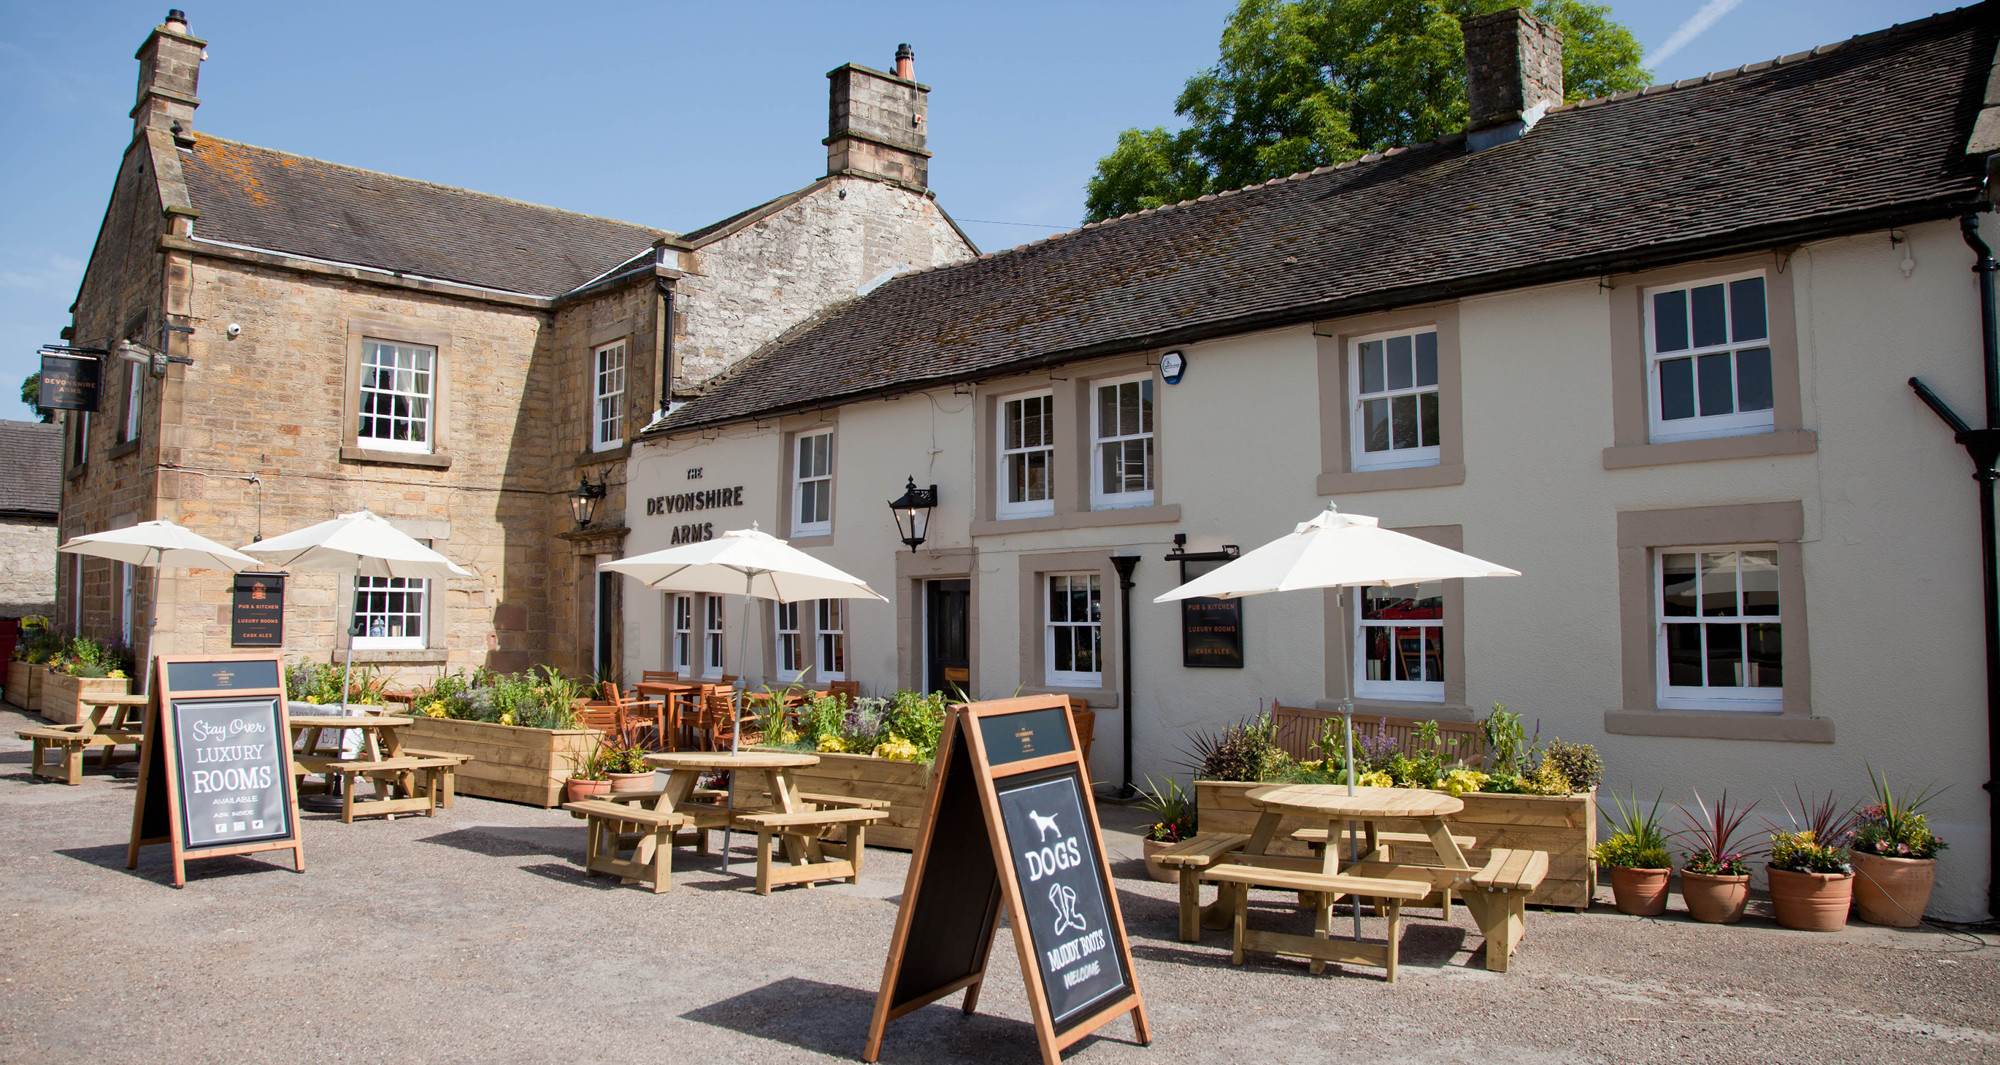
[(651, 841), (1196, 853), (822, 859), (1499, 900), (68, 745), (695, 823), (1324, 889), (1378, 846), (443, 778), (104, 723)]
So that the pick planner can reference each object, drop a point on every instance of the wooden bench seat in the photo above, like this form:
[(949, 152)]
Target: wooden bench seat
[(442, 778), (400, 773), (840, 801), (69, 742), (1323, 889), (813, 857), (651, 842), (1498, 899), (1316, 837), (1196, 853)]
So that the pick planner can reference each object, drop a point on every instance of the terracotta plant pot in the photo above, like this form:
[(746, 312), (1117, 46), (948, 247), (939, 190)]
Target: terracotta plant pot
[(575, 790), (1640, 892), (1811, 902), (631, 781), (1163, 874), (1892, 891), (1715, 899)]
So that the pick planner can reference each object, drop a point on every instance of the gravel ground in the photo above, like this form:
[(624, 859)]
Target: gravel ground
[(473, 936)]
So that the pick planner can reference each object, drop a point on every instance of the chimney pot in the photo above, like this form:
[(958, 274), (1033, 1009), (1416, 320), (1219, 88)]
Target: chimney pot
[(177, 20), (1513, 75), (906, 62)]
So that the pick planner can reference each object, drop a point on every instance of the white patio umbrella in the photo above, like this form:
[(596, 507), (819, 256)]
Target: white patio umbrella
[(750, 563), (156, 544), (1336, 550), (360, 544)]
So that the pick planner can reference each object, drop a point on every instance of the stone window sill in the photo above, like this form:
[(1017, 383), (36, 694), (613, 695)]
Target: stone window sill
[(1756, 445), (1081, 519), (412, 656), (124, 449), (1440, 476), (1720, 725), (1095, 698), (371, 457), (610, 454)]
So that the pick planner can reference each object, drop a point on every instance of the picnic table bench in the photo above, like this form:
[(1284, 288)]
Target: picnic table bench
[(105, 723), (406, 780)]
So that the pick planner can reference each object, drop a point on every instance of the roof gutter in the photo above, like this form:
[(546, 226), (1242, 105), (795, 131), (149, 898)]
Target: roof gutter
[(1736, 242)]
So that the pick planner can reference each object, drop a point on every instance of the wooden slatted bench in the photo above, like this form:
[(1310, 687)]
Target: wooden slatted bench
[(67, 744), (390, 775), (697, 818), (650, 839), (441, 778), (1324, 888), (1498, 899), (1190, 856), (1383, 851), (823, 859)]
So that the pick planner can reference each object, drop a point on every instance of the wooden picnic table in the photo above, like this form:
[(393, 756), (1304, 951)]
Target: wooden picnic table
[(668, 713), (791, 819), (382, 759), (103, 721)]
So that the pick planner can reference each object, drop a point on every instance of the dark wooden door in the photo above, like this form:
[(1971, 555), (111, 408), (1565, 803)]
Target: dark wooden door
[(607, 625), (947, 642)]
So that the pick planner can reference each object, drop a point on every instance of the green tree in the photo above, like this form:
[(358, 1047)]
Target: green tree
[(1308, 83), (31, 394)]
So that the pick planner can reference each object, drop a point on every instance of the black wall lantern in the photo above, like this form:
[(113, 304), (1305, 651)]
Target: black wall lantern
[(583, 501), (913, 513)]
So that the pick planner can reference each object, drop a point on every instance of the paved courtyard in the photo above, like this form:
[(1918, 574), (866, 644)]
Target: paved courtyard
[(474, 937)]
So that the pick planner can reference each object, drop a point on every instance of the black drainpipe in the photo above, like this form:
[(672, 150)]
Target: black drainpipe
[(666, 288), (1984, 447), (1126, 564)]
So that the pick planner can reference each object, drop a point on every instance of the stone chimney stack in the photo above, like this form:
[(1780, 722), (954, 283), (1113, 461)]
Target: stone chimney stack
[(875, 122), (169, 68), (1513, 75)]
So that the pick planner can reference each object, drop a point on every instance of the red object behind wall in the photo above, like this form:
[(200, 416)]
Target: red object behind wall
[(10, 634)]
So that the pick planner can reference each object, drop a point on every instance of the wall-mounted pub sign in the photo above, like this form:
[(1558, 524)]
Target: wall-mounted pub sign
[(1211, 629), (70, 382), (257, 610)]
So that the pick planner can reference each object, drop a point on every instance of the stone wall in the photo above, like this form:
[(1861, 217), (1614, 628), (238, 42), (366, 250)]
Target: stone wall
[(27, 567), (751, 286)]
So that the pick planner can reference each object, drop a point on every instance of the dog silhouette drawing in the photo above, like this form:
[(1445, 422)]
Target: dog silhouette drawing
[(1045, 824)]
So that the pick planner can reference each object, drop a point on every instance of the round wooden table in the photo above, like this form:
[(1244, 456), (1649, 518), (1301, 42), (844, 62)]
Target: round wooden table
[(686, 767), (1332, 801), (718, 760)]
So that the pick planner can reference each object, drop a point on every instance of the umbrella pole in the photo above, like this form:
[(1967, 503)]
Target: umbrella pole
[(1347, 719), (736, 718)]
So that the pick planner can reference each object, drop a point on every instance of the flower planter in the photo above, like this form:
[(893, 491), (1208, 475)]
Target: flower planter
[(865, 776), (508, 762), (575, 790), (61, 694), (1154, 869), (631, 781), (1811, 902), (1563, 825), (1640, 892), (1714, 899), (24, 684), (1892, 891)]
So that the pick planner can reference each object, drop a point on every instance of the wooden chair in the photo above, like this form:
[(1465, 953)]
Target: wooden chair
[(715, 720), (847, 691), (606, 716), (655, 676), (633, 712)]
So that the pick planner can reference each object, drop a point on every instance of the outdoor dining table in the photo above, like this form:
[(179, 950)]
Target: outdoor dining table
[(381, 756), (668, 712), (685, 769)]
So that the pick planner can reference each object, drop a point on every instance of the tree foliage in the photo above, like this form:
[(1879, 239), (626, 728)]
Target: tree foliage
[(31, 394), (1308, 83)]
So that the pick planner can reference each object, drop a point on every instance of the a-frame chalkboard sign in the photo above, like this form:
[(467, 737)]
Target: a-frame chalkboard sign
[(1009, 822), (215, 764)]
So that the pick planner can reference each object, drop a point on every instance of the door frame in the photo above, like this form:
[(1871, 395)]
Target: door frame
[(913, 568)]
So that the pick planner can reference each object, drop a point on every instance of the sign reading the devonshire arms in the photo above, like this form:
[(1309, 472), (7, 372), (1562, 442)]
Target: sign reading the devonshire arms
[(69, 382), (682, 502), (257, 610)]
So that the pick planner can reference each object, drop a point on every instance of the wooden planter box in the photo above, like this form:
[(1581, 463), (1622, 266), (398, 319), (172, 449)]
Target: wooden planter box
[(508, 762), (865, 776), (24, 684), (60, 692), (1563, 825)]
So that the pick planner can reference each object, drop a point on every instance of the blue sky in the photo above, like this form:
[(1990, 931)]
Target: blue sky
[(667, 114)]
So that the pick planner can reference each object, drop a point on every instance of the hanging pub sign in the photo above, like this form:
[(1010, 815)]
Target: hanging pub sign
[(1009, 823), (257, 610), (215, 763), (69, 382)]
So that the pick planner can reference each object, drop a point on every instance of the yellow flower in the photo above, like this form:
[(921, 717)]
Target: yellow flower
[(507, 717), (897, 749), (1376, 779), (787, 736), (1459, 781), (832, 744), (435, 709)]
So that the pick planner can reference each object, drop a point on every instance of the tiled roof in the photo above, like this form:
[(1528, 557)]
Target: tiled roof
[(1844, 138), (30, 468), (288, 203)]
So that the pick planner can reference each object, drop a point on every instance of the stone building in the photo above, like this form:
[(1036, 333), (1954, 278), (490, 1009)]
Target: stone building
[(1650, 350), (456, 362), (30, 496)]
